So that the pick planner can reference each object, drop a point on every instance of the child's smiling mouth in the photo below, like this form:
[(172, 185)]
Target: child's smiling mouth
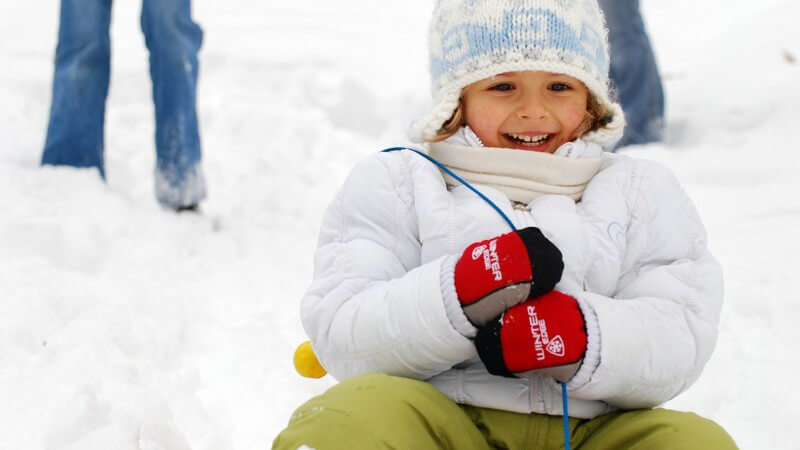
[(528, 141)]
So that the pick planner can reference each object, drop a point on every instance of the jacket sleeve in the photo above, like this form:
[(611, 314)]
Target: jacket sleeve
[(652, 339), (372, 307)]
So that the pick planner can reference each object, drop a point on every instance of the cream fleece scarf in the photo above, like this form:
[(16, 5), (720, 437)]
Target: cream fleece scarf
[(521, 175)]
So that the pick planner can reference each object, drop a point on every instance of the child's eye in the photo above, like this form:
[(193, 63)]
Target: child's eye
[(560, 87), (501, 87)]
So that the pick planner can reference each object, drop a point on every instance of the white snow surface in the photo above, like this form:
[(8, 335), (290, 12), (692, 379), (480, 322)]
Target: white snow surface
[(126, 326)]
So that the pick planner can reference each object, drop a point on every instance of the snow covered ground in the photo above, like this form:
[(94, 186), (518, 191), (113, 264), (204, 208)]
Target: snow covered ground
[(128, 327)]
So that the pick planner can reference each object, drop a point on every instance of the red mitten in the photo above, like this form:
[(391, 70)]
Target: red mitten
[(494, 275), (545, 336)]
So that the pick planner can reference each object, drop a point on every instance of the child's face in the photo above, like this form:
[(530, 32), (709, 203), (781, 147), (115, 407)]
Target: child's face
[(529, 110)]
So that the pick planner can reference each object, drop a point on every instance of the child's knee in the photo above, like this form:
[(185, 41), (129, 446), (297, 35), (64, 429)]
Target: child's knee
[(367, 410), (686, 430), (360, 403), (378, 395), (656, 429), (698, 432)]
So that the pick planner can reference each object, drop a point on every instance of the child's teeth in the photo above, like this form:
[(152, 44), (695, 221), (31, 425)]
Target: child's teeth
[(525, 138)]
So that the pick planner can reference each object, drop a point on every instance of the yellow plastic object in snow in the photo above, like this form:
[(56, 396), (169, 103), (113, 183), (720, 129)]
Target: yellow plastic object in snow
[(306, 362)]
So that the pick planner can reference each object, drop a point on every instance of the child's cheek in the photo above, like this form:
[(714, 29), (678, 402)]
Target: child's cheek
[(482, 119), (575, 117)]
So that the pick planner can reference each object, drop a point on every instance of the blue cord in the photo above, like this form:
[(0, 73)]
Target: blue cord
[(564, 402), (565, 407)]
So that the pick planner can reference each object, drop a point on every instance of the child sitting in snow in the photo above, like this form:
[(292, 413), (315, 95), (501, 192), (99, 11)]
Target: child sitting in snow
[(449, 330)]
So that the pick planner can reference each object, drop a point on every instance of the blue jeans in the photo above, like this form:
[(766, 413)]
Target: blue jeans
[(634, 72), (80, 87)]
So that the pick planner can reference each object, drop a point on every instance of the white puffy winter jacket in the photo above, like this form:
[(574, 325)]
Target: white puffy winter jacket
[(635, 257)]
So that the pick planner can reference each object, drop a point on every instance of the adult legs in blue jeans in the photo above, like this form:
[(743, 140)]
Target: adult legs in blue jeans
[(173, 40), (80, 86), (634, 71)]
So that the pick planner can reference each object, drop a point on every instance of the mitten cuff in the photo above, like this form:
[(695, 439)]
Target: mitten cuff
[(591, 359), (451, 304), (489, 345)]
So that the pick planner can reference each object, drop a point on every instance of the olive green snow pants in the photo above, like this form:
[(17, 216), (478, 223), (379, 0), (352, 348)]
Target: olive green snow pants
[(384, 412)]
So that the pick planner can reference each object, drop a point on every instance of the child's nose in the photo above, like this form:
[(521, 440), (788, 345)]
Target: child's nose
[(532, 111), (531, 106)]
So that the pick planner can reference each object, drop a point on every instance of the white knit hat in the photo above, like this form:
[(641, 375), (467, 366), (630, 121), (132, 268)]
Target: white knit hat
[(471, 40)]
